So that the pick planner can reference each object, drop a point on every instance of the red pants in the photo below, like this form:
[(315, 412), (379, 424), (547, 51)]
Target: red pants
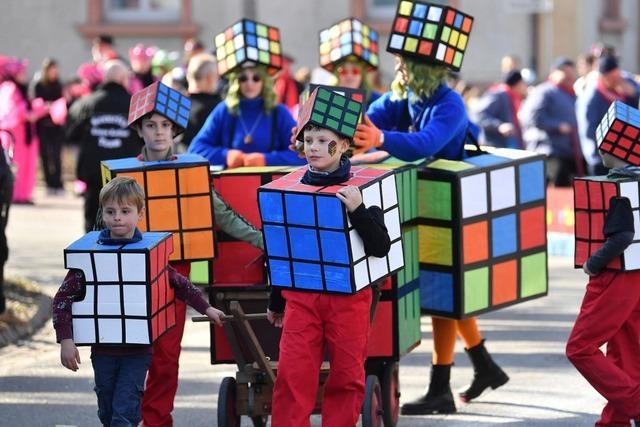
[(162, 378), (610, 314), (311, 321)]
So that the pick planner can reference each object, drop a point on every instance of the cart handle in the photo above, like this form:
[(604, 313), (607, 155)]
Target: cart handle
[(231, 317)]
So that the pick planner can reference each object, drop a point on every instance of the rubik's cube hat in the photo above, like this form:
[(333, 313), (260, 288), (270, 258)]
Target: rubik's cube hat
[(430, 33), (348, 39), (161, 99), (330, 110), (619, 133), (248, 43)]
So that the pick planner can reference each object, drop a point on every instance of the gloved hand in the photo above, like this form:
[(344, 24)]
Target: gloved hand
[(367, 136), (235, 159), (254, 159)]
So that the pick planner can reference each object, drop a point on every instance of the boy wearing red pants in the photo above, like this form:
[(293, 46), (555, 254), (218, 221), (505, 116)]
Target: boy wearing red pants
[(610, 312), (313, 320)]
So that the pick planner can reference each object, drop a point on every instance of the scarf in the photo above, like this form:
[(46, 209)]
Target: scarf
[(608, 94), (627, 171), (104, 238), (321, 178)]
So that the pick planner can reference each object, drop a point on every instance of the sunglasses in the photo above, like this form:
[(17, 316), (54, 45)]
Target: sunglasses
[(345, 71), (244, 78)]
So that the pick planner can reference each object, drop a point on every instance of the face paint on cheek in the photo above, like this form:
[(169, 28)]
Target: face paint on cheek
[(333, 147)]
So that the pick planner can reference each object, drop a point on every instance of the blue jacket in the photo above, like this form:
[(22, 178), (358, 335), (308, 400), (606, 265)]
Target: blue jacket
[(440, 123), (493, 109), (223, 131), (541, 114), (591, 107)]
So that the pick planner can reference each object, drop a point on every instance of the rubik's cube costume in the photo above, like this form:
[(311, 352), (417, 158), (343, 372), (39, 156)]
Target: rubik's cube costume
[(607, 231), (324, 259)]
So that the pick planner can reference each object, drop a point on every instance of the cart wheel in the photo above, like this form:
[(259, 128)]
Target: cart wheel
[(260, 421), (372, 407), (390, 385), (227, 416)]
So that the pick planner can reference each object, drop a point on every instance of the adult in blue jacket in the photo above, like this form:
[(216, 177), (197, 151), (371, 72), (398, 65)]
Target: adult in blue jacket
[(248, 128), (422, 117)]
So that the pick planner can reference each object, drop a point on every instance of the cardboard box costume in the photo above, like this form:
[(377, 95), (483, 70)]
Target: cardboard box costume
[(349, 38), (482, 232), (128, 299)]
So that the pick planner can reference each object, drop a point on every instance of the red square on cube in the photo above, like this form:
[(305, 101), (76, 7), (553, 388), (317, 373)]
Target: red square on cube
[(597, 225), (532, 228)]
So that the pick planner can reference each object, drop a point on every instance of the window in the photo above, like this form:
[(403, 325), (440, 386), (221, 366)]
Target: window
[(142, 10)]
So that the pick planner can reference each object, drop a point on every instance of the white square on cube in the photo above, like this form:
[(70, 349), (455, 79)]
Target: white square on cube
[(81, 261), (263, 44), (636, 225), (630, 190), (78, 308), (238, 41), (134, 267), (110, 331), (135, 300), (474, 195), (137, 331), (106, 267), (252, 53), (396, 256), (108, 299), (511, 153), (357, 247), (389, 193), (392, 222), (632, 257), (371, 195), (361, 274), (377, 267), (503, 188), (434, 13), (84, 331)]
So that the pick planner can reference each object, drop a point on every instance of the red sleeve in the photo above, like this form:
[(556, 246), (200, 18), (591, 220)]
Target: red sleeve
[(69, 291), (187, 291)]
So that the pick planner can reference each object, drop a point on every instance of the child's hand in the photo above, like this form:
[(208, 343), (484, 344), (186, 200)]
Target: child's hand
[(586, 269), (69, 354), (216, 315), (350, 196), (235, 159), (294, 144), (275, 318)]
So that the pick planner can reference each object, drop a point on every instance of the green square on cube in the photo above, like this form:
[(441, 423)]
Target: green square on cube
[(476, 289), (434, 199), (533, 270)]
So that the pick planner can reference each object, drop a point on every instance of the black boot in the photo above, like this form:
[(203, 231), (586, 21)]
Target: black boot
[(438, 399), (485, 373)]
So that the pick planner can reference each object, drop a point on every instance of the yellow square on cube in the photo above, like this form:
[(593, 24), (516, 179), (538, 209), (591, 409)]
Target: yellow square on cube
[(220, 39), (405, 8), (275, 48), (462, 43), (411, 44), (435, 245), (453, 40)]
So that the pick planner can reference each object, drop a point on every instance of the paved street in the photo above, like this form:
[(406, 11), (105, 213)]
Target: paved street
[(527, 340)]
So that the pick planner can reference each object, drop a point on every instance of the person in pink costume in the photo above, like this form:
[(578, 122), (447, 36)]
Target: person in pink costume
[(17, 117), (140, 59)]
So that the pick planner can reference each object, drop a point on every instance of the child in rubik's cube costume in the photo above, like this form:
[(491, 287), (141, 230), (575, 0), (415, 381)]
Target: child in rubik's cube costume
[(180, 200), (349, 50), (420, 118), (324, 248), (607, 213), (119, 297)]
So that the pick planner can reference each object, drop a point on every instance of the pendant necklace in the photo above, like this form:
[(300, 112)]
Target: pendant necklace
[(248, 139)]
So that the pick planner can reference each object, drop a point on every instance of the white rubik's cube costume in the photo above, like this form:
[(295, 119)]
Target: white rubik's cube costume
[(128, 299)]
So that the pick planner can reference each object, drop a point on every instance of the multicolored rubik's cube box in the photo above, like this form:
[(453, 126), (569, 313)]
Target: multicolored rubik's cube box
[(430, 32), (357, 95), (482, 232), (348, 38), (177, 199), (127, 297), (592, 196), (310, 243), (248, 41), (158, 98), (618, 133), (406, 174), (330, 110)]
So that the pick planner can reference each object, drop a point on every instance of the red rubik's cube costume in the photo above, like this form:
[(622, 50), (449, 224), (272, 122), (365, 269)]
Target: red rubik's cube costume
[(607, 207)]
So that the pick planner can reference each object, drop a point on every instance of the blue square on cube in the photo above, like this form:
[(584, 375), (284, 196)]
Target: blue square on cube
[(484, 160), (304, 244), (337, 279), (173, 94), (251, 41), (436, 290), (185, 102), (345, 38), (173, 104), (334, 247), (161, 99), (330, 212), (240, 55), (531, 181), (161, 109), (271, 206), (415, 28), (300, 210), (346, 49), (163, 89), (280, 272), (182, 121), (420, 11), (237, 28), (458, 22), (251, 27), (276, 238), (503, 235), (307, 276)]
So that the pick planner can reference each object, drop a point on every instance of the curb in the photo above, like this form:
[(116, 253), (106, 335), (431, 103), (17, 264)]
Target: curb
[(17, 331)]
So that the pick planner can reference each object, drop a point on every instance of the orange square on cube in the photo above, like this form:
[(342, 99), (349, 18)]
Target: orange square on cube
[(161, 182), (475, 245), (504, 283), (176, 255), (198, 244), (196, 212), (163, 214), (194, 180)]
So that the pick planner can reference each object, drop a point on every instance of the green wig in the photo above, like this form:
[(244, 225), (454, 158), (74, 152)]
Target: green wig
[(268, 95), (423, 80)]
